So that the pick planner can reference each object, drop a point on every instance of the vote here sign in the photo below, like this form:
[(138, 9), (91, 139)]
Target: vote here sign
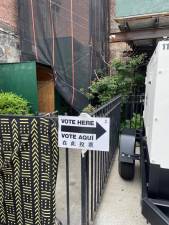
[(84, 133)]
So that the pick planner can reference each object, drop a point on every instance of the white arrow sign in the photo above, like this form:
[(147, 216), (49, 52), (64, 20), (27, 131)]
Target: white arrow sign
[(84, 133)]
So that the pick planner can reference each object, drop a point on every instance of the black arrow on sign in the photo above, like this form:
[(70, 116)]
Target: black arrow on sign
[(98, 130)]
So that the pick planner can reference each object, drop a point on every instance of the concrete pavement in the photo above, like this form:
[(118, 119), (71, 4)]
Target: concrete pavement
[(121, 200)]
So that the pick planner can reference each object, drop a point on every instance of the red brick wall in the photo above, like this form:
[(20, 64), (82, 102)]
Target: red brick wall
[(8, 12), (114, 25), (116, 49)]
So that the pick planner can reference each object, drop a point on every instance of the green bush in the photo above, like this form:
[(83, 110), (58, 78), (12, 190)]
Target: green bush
[(12, 104), (125, 80), (108, 87), (128, 67), (136, 122)]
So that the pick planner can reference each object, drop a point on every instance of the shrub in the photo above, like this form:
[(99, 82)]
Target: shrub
[(136, 122), (89, 109), (12, 104), (130, 66), (108, 87), (127, 80)]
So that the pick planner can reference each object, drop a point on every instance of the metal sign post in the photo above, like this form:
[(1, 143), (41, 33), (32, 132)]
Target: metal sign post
[(84, 133)]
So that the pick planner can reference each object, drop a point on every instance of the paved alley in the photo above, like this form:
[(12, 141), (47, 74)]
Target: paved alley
[(121, 201)]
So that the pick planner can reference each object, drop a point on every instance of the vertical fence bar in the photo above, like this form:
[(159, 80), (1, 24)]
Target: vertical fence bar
[(84, 189), (95, 180), (87, 184), (101, 183), (136, 113), (92, 186), (67, 187), (140, 101), (98, 175), (103, 168)]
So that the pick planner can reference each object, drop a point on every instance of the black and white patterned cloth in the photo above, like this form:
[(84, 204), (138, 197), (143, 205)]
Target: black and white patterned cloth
[(29, 157)]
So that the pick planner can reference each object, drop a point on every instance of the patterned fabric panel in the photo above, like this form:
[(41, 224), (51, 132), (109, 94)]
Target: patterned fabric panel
[(29, 158)]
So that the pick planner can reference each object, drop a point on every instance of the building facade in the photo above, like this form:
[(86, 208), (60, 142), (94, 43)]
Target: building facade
[(142, 23), (9, 39), (116, 49)]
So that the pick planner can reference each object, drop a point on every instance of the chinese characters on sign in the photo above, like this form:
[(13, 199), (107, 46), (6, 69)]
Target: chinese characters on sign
[(89, 133)]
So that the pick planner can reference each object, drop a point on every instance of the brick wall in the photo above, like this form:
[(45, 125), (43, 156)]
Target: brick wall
[(8, 12), (116, 49), (9, 40), (114, 25)]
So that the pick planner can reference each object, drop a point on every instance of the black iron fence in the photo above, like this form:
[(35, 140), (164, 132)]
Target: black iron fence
[(83, 176), (86, 174), (96, 165)]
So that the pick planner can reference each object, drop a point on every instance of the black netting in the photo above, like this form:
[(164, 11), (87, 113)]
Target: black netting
[(70, 36)]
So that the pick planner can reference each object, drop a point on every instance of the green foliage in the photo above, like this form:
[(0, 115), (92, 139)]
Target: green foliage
[(11, 104), (126, 79), (138, 80), (100, 73), (108, 87), (128, 67), (89, 109), (135, 122)]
